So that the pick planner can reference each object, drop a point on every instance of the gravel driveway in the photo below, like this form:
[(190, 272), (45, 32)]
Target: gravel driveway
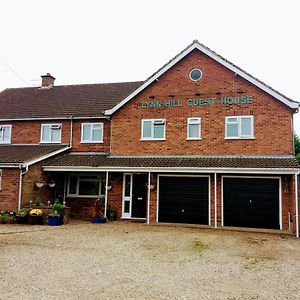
[(135, 261)]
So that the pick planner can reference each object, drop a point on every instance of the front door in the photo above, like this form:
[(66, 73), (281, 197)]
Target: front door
[(134, 196)]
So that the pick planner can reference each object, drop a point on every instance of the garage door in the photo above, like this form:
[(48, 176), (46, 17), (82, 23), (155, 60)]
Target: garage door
[(251, 202), (183, 199)]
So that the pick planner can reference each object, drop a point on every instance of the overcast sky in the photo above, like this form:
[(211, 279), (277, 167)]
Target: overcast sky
[(110, 41)]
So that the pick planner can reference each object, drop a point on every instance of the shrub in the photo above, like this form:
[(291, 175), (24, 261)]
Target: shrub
[(57, 207)]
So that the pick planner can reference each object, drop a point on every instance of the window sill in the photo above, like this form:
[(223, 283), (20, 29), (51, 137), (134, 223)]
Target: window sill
[(193, 139), (50, 142), (5, 143), (84, 196), (239, 138), (152, 139), (91, 142)]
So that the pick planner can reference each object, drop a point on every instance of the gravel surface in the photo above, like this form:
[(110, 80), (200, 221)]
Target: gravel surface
[(135, 261)]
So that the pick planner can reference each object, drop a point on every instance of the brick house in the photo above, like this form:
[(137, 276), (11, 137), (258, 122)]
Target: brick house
[(199, 142)]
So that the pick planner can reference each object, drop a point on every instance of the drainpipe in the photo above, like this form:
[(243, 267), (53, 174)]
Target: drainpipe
[(106, 191), (148, 203), (71, 131), (20, 183), (216, 215), (110, 133), (296, 206), (65, 187)]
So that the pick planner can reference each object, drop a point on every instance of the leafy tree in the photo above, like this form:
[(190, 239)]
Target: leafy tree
[(297, 147)]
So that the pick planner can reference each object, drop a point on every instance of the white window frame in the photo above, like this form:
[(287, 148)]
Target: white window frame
[(91, 140), (189, 122), (239, 123), (1, 179), (81, 178), (2, 134), (152, 138), (49, 141)]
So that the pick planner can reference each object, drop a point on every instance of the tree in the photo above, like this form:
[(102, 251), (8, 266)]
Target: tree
[(297, 147)]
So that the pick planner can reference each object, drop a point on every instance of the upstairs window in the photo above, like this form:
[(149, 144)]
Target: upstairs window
[(193, 128), (5, 134), (239, 127), (153, 129), (92, 133), (51, 133)]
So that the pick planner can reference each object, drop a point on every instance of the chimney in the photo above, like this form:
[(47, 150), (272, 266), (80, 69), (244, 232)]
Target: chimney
[(47, 81)]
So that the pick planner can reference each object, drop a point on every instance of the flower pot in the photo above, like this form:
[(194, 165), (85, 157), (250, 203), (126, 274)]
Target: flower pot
[(55, 221), (112, 215), (21, 219), (35, 220), (39, 184), (98, 220)]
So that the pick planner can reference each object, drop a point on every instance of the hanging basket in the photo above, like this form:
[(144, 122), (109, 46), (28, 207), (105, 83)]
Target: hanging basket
[(39, 184)]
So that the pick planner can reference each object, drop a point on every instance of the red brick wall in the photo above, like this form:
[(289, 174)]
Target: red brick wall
[(9, 193), (29, 132), (92, 147), (29, 189), (271, 117), (116, 193)]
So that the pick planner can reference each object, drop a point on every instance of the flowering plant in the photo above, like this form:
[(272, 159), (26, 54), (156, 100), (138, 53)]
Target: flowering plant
[(36, 212), (22, 212), (7, 217)]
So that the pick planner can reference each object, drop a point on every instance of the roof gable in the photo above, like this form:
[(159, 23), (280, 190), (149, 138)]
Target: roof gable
[(196, 45)]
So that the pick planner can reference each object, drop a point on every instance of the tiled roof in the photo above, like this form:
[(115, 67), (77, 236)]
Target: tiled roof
[(85, 100), (14, 154), (101, 160)]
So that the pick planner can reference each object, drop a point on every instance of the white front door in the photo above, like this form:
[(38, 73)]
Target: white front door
[(127, 196)]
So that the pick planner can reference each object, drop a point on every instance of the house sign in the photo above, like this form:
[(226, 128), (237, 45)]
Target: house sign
[(197, 102)]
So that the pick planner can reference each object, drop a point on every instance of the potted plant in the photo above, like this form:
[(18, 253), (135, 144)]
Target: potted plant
[(112, 213), (21, 216), (56, 218), (11, 217), (4, 217), (39, 184), (98, 216), (37, 201), (7, 217), (36, 216)]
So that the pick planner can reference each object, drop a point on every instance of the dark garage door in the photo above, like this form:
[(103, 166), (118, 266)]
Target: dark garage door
[(251, 202), (183, 200)]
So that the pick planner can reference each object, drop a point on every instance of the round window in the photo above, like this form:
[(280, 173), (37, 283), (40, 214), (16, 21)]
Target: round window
[(195, 74)]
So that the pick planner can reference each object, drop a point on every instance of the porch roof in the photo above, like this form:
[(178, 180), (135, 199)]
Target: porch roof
[(20, 154), (105, 162)]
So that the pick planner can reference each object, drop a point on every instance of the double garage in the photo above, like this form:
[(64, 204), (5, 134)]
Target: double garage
[(245, 201)]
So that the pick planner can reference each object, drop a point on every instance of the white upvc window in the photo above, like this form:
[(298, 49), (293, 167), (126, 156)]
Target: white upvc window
[(92, 133), (86, 186), (51, 133), (0, 179), (153, 129), (193, 129), (5, 134), (239, 127)]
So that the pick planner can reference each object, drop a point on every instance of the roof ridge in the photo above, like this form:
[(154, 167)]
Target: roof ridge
[(73, 85)]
